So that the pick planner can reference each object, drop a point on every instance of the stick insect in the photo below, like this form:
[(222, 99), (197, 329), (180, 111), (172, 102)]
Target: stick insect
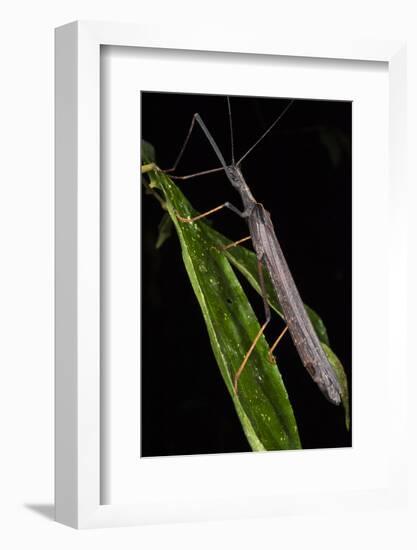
[(270, 257)]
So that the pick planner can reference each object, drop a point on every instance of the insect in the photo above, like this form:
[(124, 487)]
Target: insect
[(270, 257)]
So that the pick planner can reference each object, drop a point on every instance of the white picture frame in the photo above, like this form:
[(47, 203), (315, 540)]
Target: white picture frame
[(78, 405)]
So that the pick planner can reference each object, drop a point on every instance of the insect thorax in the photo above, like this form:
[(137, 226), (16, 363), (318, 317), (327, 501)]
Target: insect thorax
[(238, 181)]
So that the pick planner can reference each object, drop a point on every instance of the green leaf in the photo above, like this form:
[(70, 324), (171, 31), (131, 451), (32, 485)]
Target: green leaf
[(262, 402), (164, 230), (341, 376), (148, 152)]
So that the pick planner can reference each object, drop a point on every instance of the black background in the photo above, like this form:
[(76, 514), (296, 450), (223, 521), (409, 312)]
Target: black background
[(301, 172)]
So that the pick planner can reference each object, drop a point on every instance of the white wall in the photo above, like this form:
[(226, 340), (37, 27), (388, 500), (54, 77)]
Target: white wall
[(26, 272)]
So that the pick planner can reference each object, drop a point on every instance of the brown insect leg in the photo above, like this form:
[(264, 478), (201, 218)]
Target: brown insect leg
[(231, 245), (261, 330), (274, 345), (189, 176), (248, 354), (200, 216)]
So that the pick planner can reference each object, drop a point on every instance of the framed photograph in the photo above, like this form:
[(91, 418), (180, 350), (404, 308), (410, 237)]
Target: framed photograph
[(194, 411), (226, 220)]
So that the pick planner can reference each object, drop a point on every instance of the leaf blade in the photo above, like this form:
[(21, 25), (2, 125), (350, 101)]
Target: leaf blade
[(262, 403)]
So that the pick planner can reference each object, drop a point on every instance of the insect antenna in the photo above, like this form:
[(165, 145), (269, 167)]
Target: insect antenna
[(231, 130), (266, 132)]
